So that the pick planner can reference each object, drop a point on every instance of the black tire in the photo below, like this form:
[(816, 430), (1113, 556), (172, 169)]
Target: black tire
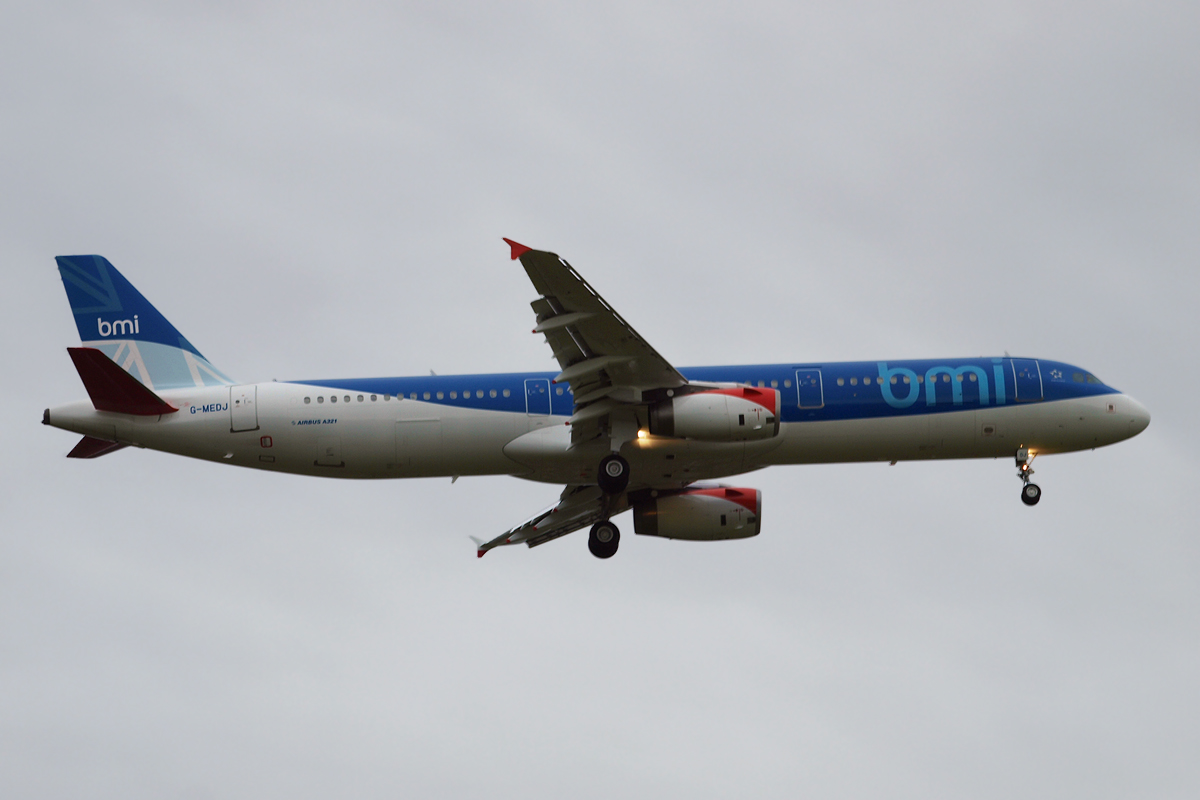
[(604, 540), (613, 474), (1030, 494)]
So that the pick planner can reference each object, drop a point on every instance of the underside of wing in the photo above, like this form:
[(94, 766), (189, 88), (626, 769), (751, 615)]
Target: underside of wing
[(604, 360), (578, 507)]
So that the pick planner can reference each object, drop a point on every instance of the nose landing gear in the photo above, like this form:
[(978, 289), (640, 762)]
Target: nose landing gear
[(1030, 492)]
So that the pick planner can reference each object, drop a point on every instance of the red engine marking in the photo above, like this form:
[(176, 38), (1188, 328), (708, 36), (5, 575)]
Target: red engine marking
[(746, 498), (764, 397)]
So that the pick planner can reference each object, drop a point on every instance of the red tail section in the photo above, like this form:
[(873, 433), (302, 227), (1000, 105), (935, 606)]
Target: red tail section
[(112, 388)]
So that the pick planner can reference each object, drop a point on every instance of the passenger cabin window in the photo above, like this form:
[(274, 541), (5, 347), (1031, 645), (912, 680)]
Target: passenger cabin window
[(320, 399), (307, 400)]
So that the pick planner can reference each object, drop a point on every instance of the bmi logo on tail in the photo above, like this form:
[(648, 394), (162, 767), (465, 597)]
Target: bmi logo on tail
[(118, 326)]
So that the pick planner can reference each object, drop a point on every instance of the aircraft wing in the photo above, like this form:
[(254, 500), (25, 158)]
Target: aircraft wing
[(604, 360), (578, 507)]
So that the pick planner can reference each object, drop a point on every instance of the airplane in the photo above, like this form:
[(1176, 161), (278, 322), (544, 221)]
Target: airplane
[(618, 426)]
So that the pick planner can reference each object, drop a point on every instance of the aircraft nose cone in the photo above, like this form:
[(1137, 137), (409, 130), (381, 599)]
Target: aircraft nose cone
[(1139, 416)]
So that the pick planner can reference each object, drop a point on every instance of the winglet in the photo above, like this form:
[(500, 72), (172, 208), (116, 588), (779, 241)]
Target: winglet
[(112, 388), (518, 250), (481, 551)]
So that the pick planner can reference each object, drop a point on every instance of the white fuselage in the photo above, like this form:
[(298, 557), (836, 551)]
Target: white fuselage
[(270, 426)]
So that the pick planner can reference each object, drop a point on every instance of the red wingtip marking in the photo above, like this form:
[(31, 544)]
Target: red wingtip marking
[(518, 249), (481, 553)]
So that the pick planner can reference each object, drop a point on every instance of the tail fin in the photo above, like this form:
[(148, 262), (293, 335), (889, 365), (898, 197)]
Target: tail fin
[(115, 318)]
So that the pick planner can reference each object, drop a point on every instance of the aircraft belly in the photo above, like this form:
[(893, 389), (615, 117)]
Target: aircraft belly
[(654, 461), (988, 432), (432, 440)]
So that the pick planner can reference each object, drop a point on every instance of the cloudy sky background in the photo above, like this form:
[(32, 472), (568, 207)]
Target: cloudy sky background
[(311, 192)]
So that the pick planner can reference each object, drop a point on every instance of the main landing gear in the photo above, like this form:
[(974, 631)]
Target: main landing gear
[(613, 478), (1030, 492), (613, 475), (604, 539)]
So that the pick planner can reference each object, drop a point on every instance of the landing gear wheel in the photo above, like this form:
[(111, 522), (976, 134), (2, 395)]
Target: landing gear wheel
[(604, 539), (613, 475), (1030, 494)]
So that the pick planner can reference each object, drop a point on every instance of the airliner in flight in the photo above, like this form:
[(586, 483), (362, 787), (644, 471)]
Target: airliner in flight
[(618, 426)]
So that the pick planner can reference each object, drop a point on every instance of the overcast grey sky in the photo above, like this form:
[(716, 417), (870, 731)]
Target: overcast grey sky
[(321, 192)]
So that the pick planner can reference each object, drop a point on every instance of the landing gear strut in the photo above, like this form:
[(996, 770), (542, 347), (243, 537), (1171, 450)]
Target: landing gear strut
[(1030, 492), (604, 539), (613, 475)]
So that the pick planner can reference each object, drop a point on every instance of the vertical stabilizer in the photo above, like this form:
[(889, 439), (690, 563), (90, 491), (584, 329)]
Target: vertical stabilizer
[(116, 319)]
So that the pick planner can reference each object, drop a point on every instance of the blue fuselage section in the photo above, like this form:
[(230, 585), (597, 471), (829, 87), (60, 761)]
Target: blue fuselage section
[(809, 391)]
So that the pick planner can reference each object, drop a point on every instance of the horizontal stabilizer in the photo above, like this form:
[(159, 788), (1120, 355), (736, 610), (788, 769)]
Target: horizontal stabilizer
[(89, 447), (112, 388)]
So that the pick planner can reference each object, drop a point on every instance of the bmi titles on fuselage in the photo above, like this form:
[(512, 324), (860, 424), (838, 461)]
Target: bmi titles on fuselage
[(953, 375)]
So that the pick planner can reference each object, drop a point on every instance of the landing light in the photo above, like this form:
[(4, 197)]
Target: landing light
[(643, 434)]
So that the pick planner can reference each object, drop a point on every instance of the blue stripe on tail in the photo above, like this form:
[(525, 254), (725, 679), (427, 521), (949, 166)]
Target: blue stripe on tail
[(114, 317)]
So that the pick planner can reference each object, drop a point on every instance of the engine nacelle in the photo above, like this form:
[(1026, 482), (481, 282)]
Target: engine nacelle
[(701, 514), (740, 414)]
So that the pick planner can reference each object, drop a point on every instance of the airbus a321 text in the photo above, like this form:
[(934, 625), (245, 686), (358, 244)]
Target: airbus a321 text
[(618, 425)]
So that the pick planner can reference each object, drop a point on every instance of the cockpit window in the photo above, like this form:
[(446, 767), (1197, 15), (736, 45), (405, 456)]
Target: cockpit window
[(1085, 377)]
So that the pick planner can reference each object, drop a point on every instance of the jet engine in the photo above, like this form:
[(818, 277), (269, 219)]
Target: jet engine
[(740, 414), (701, 514)]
